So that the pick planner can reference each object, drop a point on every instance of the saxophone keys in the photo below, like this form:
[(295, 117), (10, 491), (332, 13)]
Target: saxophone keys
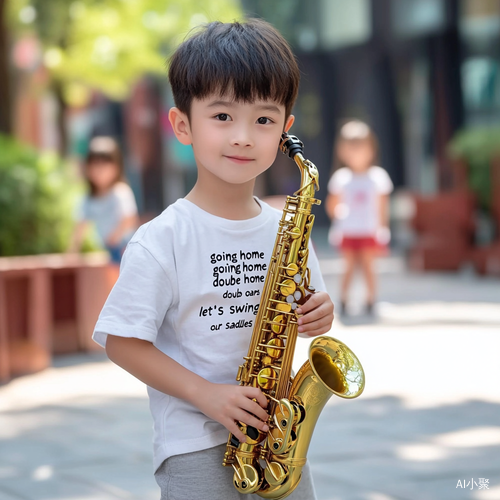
[(292, 269), (267, 360), (247, 479), (267, 378), (280, 441), (284, 307), (275, 348), (288, 287), (275, 474), (275, 439), (295, 233), (278, 323), (254, 435)]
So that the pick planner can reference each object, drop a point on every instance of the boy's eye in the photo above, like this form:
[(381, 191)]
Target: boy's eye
[(223, 117), (263, 120)]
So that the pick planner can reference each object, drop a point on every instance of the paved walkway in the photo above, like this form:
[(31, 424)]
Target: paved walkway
[(428, 422)]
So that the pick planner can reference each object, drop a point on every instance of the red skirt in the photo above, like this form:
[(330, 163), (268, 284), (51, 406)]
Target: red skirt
[(358, 243)]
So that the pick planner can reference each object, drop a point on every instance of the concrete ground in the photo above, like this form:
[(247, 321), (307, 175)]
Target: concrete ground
[(426, 428)]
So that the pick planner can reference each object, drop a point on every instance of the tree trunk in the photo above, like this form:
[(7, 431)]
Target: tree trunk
[(5, 104), (61, 118)]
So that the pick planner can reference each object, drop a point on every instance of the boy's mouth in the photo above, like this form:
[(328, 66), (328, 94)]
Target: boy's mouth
[(239, 159)]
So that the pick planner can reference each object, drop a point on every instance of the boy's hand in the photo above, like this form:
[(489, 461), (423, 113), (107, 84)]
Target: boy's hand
[(229, 403), (316, 314)]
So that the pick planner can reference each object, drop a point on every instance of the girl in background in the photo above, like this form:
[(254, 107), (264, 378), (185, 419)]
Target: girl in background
[(110, 204), (358, 205)]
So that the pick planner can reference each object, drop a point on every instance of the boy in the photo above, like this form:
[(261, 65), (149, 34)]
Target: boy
[(180, 316)]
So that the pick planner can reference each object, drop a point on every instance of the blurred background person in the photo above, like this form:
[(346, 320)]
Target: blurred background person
[(358, 205), (110, 205)]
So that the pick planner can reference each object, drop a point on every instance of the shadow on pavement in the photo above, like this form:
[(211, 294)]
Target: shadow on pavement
[(370, 449), (99, 448), (62, 361)]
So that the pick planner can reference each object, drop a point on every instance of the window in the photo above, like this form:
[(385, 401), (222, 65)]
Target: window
[(418, 17), (480, 24), (344, 22), (481, 87)]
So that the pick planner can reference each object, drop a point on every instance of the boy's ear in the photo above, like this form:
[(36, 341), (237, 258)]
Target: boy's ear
[(289, 122), (180, 126)]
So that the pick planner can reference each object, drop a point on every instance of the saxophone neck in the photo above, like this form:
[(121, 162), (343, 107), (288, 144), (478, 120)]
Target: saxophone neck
[(309, 182), (294, 148)]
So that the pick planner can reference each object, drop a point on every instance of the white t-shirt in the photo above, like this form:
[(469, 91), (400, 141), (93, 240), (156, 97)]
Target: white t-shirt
[(190, 283), (359, 211), (107, 211)]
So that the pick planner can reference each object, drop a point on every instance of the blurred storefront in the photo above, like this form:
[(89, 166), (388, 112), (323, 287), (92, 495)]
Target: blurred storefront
[(417, 70)]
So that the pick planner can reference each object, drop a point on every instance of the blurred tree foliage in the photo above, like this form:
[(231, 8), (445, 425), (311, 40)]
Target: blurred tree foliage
[(108, 44), (37, 195), (477, 146), (85, 45)]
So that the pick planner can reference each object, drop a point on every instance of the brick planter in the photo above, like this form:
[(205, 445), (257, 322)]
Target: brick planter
[(445, 227), (49, 305)]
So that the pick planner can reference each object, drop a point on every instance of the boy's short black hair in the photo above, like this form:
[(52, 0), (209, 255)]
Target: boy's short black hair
[(248, 60)]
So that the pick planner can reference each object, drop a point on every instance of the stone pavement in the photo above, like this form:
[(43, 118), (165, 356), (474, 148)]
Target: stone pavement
[(426, 428)]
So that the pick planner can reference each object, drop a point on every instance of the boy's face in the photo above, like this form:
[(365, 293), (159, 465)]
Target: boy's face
[(233, 141)]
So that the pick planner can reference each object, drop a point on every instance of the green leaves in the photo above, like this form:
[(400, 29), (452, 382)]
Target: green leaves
[(37, 199), (108, 44), (477, 146)]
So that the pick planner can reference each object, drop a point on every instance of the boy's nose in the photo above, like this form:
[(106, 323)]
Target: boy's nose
[(243, 138)]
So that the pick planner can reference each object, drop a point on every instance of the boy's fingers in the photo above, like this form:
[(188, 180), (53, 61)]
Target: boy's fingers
[(318, 299), (315, 333), (310, 304), (254, 393), (248, 419), (254, 408), (319, 312), (233, 428), (315, 326)]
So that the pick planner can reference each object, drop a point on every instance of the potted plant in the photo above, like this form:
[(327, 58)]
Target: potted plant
[(477, 147), (37, 199), (478, 150)]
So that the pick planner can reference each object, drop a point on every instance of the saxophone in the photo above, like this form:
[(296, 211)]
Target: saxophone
[(270, 464)]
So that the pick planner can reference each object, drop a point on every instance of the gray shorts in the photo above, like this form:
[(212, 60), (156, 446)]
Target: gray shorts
[(200, 476)]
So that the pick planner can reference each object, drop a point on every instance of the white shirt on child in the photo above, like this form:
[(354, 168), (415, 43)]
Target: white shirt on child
[(359, 212), (190, 283), (107, 211)]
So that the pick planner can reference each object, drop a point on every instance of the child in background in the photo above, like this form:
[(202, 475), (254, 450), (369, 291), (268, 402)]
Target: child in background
[(358, 204), (110, 204), (180, 316)]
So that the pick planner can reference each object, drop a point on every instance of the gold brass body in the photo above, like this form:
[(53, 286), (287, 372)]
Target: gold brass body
[(270, 465)]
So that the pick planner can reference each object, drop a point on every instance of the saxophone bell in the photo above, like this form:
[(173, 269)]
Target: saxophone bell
[(337, 367)]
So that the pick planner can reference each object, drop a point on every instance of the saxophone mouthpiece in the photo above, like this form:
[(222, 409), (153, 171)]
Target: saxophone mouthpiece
[(291, 145)]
